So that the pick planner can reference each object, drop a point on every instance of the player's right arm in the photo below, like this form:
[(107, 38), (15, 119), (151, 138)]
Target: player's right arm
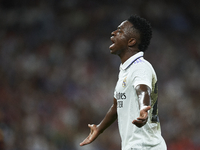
[(96, 130)]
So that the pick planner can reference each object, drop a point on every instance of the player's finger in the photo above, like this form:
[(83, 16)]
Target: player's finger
[(142, 118), (88, 139), (147, 108), (85, 142), (138, 123), (90, 125)]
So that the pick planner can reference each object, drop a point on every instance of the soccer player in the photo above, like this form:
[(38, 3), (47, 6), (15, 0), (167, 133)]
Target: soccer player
[(136, 92)]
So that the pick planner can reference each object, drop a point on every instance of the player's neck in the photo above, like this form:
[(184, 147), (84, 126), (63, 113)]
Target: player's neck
[(125, 56)]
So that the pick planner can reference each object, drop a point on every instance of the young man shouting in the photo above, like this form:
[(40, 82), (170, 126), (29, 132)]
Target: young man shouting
[(136, 92)]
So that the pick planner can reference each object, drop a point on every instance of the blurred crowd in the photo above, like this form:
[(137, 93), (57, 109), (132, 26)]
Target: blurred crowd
[(57, 73)]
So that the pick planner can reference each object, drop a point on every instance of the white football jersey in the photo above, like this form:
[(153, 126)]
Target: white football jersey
[(136, 70)]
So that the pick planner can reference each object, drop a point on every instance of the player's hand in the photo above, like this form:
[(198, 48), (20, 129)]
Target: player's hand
[(94, 133), (141, 121)]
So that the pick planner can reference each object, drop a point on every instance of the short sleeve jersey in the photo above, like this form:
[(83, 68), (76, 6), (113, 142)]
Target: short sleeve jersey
[(134, 71)]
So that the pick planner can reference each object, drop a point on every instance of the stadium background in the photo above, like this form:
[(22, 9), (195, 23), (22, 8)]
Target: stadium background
[(57, 74)]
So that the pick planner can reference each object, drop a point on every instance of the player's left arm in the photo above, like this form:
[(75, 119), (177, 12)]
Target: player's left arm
[(143, 93)]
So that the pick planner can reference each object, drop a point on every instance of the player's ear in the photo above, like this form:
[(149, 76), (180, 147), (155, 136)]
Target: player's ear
[(131, 42)]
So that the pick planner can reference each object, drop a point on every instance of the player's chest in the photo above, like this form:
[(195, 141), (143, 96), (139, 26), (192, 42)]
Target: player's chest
[(124, 81)]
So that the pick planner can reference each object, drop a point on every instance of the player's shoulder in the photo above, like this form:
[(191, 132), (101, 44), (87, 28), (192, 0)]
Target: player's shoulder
[(141, 62)]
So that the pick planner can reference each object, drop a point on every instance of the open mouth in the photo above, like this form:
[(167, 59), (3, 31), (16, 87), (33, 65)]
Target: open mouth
[(113, 43), (111, 38)]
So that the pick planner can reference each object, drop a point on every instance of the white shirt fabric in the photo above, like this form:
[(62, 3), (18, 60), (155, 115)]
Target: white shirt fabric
[(136, 70)]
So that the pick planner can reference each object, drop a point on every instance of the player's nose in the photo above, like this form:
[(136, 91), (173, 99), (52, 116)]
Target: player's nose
[(113, 33)]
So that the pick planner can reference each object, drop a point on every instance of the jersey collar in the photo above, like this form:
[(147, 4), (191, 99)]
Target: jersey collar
[(129, 61)]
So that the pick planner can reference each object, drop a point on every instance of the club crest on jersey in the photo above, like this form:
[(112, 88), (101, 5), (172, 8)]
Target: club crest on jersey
[(124, 82)]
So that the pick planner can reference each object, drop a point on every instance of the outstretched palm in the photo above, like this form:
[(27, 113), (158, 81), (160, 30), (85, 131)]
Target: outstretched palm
[(142, 119), (92, 136)]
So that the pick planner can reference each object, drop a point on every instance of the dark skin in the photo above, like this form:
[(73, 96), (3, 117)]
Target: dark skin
[(125, 44), (143, 92)]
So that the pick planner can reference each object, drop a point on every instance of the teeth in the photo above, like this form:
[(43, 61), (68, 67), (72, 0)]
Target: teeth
[(112, 40)]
